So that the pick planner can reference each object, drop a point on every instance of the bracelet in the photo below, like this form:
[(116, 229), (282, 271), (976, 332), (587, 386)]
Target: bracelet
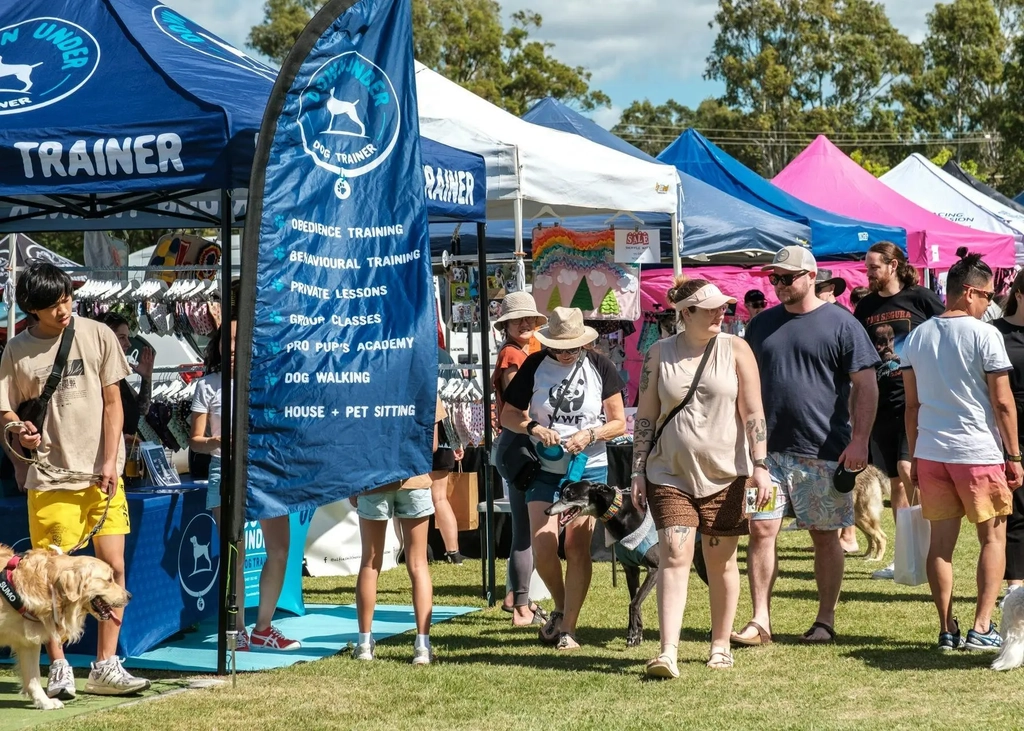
[(1013, 458), (592, 437), (762, 463), (641, 473)]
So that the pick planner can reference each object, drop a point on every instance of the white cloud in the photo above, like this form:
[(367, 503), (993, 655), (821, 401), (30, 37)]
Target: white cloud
[(607, 117)]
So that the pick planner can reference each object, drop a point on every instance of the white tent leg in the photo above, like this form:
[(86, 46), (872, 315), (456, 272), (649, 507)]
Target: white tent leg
[(520, 268), (677, 260)]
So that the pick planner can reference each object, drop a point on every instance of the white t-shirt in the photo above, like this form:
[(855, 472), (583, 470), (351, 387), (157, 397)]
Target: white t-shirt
[(206, 400), (951, 357), (538, 385)]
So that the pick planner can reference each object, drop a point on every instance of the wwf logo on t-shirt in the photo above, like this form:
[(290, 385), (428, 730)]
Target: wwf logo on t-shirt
[(574, 398)]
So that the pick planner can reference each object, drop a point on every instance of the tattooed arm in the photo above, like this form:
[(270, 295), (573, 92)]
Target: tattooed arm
[(648, 410), (751, 411)]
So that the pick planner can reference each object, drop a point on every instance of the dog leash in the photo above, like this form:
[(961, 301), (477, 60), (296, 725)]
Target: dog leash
[(58, 475)]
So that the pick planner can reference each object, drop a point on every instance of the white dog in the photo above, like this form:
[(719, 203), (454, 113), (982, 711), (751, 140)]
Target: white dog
[(1012, 655), (21, 71)]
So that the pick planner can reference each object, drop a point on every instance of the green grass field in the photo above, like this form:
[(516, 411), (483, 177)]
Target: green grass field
[(883, 670)]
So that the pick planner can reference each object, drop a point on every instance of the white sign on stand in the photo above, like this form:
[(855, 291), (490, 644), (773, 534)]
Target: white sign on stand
[(638, 246)]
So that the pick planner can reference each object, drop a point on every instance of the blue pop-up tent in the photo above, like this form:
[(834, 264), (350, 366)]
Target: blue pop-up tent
[(125, 113), (831, 234), (714, 224)]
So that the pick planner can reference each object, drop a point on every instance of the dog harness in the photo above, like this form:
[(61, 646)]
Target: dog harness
[(632, 549), (8, 590)]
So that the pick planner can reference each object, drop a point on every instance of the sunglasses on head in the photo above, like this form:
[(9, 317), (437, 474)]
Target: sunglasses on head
[(565, 351), (987, 294), (784, 279)]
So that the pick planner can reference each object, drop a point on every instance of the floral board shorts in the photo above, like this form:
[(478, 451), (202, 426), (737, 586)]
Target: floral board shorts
[(806, 492)]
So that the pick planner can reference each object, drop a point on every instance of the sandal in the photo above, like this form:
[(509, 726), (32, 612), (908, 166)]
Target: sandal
[(662, 667), (720, 660), (566, 641), (537, 609), (808, 636), (549, 633), (764, 637)]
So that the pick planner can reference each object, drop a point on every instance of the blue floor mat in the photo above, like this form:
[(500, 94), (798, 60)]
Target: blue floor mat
[(325, 630)]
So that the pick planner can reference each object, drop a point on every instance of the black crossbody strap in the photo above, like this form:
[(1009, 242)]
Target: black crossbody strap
[(690, 393), (565, 390), (53, 381)]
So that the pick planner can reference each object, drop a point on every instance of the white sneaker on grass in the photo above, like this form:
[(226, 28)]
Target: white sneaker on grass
[(110, 678), (422, 655), (885, 574), (61, 681), (364, 651)]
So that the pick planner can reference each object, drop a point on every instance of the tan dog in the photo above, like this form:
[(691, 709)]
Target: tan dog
[(871, 485), (59, 592)]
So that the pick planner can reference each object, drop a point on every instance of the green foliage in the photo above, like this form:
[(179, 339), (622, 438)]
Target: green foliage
[(872, 165), (463, 40)]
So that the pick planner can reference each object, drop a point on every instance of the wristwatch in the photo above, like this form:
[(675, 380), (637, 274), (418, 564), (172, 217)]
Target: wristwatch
[(762, 463), (1013, 458), (531, 426)]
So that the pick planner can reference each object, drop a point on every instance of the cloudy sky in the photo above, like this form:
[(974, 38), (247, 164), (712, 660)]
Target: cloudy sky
[(652, 49)]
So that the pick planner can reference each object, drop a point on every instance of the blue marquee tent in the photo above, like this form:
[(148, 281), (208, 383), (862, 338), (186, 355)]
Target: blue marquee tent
[(831, 234), (714, 223), (128, 109)]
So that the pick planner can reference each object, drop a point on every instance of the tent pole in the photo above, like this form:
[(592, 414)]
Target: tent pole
[(517, 215), (230, 528), (677, 260), (12, 281), (485, 359)]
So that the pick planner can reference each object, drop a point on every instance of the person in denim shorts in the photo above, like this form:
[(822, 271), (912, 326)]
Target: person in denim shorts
[(409, 501), (820, 392)]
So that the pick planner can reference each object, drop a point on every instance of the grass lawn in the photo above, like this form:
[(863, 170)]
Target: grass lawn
[(883, 670)]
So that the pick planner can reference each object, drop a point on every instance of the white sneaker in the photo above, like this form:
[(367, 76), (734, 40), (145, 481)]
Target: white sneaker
[(885, 574), (422, 655), (61, 682), (364, 651), (110, 678)]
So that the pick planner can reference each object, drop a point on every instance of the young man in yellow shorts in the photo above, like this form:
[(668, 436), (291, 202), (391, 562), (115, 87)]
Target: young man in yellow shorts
[(81, 432)]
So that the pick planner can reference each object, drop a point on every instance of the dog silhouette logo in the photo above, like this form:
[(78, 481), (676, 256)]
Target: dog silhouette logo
[(195, 37), (349, 117), (198, 565), (44, 60), (345, 109)]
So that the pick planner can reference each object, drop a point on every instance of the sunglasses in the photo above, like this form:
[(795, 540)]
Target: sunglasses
[(784, 279), (987, 294), (566, 351), (760, 305)]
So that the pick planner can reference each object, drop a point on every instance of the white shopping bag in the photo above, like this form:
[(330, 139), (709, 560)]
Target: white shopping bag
[(913, 534)]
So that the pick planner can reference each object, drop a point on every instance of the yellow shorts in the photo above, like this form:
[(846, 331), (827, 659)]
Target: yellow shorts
[(64, 517)]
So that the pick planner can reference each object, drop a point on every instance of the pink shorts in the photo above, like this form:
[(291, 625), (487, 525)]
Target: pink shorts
[(978, 491)]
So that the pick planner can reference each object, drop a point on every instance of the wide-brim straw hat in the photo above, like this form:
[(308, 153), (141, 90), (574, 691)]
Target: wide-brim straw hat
[(517, 305), (565, 330)]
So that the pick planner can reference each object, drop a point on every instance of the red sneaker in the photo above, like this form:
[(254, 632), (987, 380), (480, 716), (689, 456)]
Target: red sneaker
[(272, 639), (242, 642)]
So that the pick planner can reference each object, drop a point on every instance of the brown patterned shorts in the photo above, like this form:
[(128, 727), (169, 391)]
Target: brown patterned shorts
[(720, 514)]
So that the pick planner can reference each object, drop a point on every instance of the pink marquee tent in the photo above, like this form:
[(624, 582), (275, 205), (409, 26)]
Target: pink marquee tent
[(824, 176)]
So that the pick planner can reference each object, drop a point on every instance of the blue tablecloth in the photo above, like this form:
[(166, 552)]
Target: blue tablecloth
[(172, 561)]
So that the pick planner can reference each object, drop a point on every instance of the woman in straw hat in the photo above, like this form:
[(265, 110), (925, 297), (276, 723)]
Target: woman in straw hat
[(518, 320), (694, 474), (569, 400)]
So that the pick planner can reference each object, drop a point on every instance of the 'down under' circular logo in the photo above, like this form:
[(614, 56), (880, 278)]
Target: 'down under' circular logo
[(197, 567), (42, 61), (200, 40), (349, 118)]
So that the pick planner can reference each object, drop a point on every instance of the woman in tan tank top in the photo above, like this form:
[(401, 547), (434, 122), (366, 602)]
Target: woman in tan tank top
[(695, 472)]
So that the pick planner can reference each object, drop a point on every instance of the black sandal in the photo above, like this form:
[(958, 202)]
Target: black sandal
[(550, 637), (807, 636), (537, 610)]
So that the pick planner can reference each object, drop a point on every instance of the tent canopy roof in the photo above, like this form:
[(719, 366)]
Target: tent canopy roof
[(714, 223), (831, 234), (918, 179), (544, 167), (953, 168), (823, 175)]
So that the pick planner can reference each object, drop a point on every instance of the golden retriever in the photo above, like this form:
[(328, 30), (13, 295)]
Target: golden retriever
[(59, 591), (872, 484)]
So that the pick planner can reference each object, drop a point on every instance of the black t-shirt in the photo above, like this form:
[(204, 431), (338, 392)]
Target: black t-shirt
[(888, 321), (1013, 336), (805, 362)]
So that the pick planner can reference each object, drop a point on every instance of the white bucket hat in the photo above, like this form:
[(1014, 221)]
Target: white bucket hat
[(517, 305), (566, 330)]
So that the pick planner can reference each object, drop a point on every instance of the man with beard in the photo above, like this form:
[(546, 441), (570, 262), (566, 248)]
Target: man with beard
[(895, 306), (817, 366)]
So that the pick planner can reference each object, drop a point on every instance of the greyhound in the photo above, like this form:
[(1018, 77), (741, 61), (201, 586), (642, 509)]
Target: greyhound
[(21, 71)]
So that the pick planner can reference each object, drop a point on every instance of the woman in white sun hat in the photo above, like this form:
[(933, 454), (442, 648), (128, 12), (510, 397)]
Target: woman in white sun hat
[(569, 400), (518, 319), (693, 456)]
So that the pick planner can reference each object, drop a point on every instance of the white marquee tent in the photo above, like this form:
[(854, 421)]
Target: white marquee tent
[(531, 168), (929, 186)]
